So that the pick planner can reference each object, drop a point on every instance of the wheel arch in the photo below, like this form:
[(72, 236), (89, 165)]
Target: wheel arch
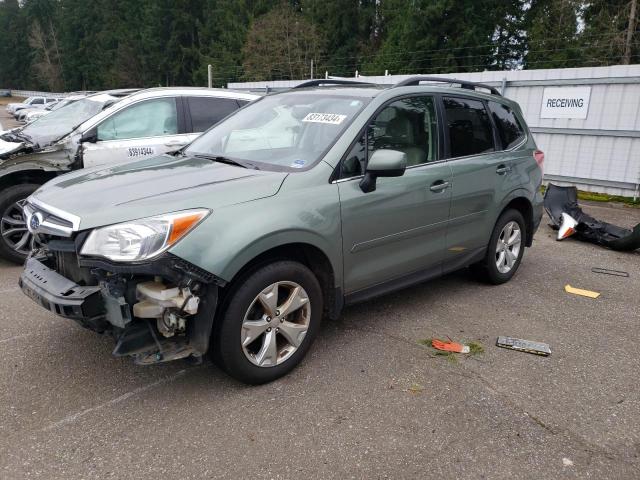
[(27, 174), (520, 202), (306, 253)]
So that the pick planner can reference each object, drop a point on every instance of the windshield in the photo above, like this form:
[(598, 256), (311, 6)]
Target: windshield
[(281, 132), (60, 104), (61, 121)]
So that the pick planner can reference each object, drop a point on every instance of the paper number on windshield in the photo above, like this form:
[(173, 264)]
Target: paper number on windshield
[(140, 151), (331, 118)]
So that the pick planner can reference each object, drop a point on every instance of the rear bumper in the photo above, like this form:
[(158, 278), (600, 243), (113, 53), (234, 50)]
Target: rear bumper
[(62, 296)]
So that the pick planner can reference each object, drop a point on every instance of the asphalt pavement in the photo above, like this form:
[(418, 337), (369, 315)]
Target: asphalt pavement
[(369, 401)]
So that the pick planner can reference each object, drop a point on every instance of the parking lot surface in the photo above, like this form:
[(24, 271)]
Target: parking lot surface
[(6, 120), (369, 401)]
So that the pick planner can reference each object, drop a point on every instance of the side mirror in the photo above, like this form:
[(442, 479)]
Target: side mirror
[(383, 163), (90, 136)]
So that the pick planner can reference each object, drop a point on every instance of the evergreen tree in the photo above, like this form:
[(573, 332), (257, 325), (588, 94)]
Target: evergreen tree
[(101, 44), (606, 30), (14, 47), (281, 45), (552, 34)]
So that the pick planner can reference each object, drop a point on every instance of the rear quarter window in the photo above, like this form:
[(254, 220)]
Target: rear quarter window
[(509, 128)]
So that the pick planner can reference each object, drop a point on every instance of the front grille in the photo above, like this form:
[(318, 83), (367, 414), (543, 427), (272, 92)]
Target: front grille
[(47, 222)]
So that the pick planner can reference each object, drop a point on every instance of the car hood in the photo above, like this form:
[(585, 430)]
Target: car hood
[(7, 148), (106, 195)]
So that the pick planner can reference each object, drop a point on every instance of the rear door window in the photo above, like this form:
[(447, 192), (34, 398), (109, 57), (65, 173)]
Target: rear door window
[(207, 111), (509, 129), (470, 130)]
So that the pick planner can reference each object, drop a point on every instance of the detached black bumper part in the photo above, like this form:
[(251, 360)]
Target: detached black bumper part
[(559, 200)]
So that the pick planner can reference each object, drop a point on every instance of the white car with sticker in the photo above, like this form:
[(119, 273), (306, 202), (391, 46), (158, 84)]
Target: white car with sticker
[(102, 129), (155, 121)]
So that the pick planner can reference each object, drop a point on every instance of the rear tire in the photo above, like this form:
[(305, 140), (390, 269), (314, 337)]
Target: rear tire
[(269, 321), (15, 240), (505, 249)]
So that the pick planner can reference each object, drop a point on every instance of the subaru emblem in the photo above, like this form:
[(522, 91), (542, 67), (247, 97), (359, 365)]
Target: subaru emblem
[(34, 223)]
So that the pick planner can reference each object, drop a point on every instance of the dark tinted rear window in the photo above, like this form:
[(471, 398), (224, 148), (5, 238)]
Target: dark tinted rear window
[(207, 111), (470, 131), (509, 129)]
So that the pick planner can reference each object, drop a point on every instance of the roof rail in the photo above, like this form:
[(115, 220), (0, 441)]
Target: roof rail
[(463, 83), (329, 81)]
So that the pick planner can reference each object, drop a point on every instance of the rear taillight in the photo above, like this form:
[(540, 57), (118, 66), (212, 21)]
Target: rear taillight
[(539, 157)]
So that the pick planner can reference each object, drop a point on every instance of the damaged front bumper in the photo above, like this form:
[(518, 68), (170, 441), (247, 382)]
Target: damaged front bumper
[(62, 296), (156, 312)]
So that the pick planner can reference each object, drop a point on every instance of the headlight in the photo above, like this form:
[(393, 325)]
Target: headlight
[(141, 239)]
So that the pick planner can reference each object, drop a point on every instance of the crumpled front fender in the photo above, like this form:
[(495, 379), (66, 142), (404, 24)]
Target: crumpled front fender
[(51, 159)]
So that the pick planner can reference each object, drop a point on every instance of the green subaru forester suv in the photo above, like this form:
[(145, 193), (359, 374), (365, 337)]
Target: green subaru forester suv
[(296, 205)]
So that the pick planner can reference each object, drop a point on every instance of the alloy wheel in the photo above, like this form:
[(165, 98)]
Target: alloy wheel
[(275, 324), (508, 247), (14, 231)]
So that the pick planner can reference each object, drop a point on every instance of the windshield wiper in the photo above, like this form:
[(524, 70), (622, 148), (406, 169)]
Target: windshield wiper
[(24, 136), (227, 160), (19, 136)]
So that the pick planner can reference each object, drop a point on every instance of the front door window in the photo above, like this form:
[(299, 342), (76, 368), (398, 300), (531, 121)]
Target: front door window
[(407, 125), (150, 118)]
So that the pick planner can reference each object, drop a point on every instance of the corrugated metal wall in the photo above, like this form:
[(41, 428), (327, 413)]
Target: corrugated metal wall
[(600, 153)]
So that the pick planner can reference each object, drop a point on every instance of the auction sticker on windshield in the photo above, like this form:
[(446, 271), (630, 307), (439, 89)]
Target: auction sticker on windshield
[(331, 118)]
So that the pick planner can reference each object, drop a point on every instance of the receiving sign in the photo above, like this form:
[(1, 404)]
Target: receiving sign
[(565, 102)]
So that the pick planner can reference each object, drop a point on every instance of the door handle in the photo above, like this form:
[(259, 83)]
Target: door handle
[(502, 169), (439, 186)]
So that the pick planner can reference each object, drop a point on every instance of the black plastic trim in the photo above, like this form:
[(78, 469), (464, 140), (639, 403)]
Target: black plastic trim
[(59, 294), (393, 285), (329, 82), (167, 265), (415, 81)]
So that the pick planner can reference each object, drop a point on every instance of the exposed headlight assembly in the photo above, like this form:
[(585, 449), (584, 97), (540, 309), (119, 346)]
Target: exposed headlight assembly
[(142, 239)]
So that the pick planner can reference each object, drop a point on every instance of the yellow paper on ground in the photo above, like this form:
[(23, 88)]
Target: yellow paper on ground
[(579, 291)]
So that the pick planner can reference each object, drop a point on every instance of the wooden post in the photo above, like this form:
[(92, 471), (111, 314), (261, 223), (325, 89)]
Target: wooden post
[(626, 59)]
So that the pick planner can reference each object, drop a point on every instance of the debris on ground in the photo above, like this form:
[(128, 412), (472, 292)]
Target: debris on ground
[(475, 348), (449, 349), (527, 346), (415, 388), (580, 291), (561, 204), (606, 271), (567, 227), (449, 346)]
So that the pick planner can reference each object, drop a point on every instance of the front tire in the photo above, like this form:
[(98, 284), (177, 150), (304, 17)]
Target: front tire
[(15, 239), (505, 249), (269, 321)]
